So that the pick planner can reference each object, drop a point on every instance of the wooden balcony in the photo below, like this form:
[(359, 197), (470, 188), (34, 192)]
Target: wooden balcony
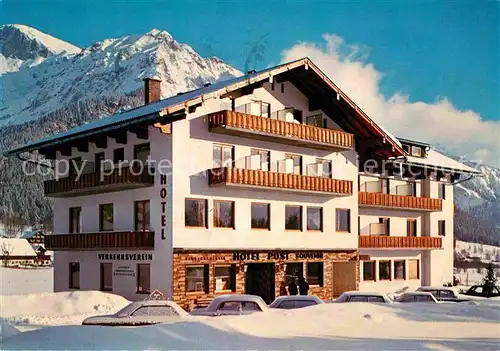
[(399, 202), (92, 183), (399, 242), (280, 181), (101, 241), (262, 128)]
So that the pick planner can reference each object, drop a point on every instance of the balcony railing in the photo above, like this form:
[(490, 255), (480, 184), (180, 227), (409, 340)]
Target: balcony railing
[(263, 128), (398, 202), (399, 242), (286, 181), (119, 179), (101, 241)]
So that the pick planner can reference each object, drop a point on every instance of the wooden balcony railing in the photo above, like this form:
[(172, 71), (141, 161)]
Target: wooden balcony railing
[(242, 124), (100, 241), (91, 183), (259, 178), (397, 202), (399, 242)]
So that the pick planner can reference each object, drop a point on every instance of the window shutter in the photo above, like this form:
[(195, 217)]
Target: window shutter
[(232, 272), (388, 226)]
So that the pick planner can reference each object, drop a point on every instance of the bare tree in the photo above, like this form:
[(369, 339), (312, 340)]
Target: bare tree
[(7, 250)]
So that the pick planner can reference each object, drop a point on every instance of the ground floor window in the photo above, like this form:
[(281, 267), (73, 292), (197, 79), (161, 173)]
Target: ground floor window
[(74, 275), (384, 270), (315, 273), (106, 276), (413, 269), (225, 278), (293, 272), (143, 278), (399, 269), (368, 270), (197, 278)]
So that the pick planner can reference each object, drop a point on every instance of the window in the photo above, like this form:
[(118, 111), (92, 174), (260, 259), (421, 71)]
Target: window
[(383, 227), (293, 272), (297, 163), (413, 269), (293, 217), (316, 120), (411, 227), (446, 294), (197, 278), (141, 215), (416, 151), (264, 158), (224, 214), (282, 88), (368, 270), (196, 213), (75, 219), (442, 191), (406, 148), (106, 276), (314, 218), (148, 311), (141, 153), (106, 217), (225, 278), (399, 269), (384, 270), (343, 220), (442, 227), (223, 156), (118, 155), (260, 216), (315, 273), (74, 275), (325, 168), (98, 160), (143, 278), (419, 298)]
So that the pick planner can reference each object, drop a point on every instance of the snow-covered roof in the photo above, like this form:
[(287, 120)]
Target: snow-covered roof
[(16, 247), (440, 161), (153, 111)]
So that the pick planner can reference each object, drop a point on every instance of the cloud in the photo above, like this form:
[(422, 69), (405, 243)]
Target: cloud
[(461, 133)]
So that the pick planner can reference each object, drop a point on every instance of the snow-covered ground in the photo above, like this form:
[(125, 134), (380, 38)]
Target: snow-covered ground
[(24, 281), (487, 253)]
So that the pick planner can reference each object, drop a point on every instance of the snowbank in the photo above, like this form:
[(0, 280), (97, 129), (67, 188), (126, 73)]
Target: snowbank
[(58, 308), (357, 326)]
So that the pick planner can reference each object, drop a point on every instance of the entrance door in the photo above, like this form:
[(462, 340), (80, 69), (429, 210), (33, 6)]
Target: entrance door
[(344, 277), (259, 280)]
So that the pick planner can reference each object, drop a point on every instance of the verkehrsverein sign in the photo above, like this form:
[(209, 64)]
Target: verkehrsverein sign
[(125, 257)]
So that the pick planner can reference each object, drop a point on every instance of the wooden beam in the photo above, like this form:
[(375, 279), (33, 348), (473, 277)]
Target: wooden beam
[(164, 128), (65, 150), (120, 136), (100, 141), (82, 146), (140, 132)]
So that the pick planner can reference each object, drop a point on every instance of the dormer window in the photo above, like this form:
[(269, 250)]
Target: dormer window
[(406, 148), (416, 151)]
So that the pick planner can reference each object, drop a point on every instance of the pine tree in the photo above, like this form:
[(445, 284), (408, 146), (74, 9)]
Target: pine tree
[(490, 281)]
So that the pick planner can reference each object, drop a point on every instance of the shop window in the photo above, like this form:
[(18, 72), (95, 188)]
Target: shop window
[(265, 157), (118, 155), (343, 220), (106, 276), (315, 218), (293, 217), (196, 213), (223, 214), (260, 216), (368, 270), (442, 227), (315, 273), (399, 269), (411, 227), (141, 153), (143, 278), (384, 270), (297, 163), (223, 155), (98, 160), (106, 217), (141, 215), (442, 191), (74, 275), (225, 278), (75, 220), (413, 269), (293, 272), (197, 278)]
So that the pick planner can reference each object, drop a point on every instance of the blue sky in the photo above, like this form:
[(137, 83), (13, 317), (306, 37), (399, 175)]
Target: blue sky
[(425, 49)]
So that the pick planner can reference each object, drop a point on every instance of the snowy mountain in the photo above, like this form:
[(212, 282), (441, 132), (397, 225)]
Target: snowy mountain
[(41, 74)]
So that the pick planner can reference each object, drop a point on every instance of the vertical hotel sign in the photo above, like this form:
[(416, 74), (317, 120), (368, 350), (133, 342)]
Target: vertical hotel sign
[(163, 202)]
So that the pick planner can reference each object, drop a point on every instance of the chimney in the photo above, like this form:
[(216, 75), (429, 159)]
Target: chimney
[(152, 90)]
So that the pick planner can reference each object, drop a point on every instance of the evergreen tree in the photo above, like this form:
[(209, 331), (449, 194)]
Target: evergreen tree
[(490, 280)]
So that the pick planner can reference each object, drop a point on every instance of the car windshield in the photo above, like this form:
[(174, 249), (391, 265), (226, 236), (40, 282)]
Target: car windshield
[(123, 312)]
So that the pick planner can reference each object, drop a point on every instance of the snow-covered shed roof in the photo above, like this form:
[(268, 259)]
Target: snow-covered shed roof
[(16, 247), (439, 161), (165, 109)]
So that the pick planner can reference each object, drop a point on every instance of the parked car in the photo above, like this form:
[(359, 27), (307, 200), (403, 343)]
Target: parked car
[(295, 301), (479, 290), (232, 304), (144, 312), (443, 294), (361, 296), (417, 296)]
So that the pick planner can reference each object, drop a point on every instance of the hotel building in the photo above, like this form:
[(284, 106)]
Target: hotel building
[(243, 185)]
